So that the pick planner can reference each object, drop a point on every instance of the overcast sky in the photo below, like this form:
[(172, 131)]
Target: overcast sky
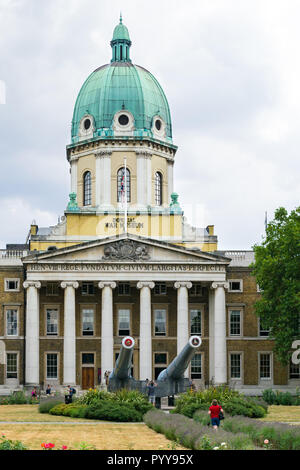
[(230, 70)]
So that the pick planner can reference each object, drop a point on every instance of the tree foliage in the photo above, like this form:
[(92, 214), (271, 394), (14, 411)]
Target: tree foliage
[(277, 271)]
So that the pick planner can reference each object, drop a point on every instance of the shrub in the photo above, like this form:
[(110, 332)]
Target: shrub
[(7, 444), (110, 411), (46, 406), (279, 398)]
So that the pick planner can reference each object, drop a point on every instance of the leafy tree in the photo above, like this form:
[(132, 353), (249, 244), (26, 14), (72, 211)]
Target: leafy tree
[(277, 271)]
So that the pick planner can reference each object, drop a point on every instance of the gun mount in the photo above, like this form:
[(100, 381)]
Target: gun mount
[(169, 382), (121, 375)]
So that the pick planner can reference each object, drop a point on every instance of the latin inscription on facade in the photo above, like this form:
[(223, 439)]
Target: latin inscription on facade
[(120, 267)]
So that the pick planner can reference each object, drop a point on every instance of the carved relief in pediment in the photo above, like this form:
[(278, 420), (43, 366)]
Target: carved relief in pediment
[(126, 250)]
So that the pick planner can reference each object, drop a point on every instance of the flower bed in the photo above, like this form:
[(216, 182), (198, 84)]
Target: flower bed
[(268, 435), (122, 406), (232, 402), (194, 435)]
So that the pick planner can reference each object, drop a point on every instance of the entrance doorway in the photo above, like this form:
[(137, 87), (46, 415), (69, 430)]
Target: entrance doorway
[(88, 378)]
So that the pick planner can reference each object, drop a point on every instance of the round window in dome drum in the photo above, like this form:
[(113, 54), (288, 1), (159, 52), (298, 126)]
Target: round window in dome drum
[(87, 124), (123, 120), (158, 124)]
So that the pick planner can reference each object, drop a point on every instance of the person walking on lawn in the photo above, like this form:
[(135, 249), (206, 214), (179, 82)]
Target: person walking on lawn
[(214, 412)]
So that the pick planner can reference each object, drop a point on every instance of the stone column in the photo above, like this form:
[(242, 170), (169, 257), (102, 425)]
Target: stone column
[(69, 377), (182, 316), (145, 330), (73, 169), (211, 313), (107, 334), (103, 178), (144, 178), (32, 369), (170, 179), (220, 349)]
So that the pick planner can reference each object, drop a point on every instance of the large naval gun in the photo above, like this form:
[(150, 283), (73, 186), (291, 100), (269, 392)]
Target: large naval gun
[(170, 381)]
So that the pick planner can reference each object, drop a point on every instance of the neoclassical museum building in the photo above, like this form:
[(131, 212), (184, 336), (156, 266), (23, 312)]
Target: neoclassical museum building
[(123, 260)]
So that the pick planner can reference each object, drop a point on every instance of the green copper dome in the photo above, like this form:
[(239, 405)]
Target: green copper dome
[(121, 87)]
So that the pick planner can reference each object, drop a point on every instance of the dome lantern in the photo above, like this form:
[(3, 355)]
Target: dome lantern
[(120, 43)]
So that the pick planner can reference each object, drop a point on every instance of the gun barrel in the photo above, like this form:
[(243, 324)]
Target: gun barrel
[(122, 368), (178, 366)]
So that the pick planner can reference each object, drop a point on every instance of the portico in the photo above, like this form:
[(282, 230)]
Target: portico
[(141, 264)]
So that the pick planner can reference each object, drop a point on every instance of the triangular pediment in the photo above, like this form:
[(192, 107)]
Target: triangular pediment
[(126, 248)]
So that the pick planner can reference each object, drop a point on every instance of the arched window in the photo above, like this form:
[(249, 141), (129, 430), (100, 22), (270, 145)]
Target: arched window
[(87, 189), (121, 185), (158, 189)]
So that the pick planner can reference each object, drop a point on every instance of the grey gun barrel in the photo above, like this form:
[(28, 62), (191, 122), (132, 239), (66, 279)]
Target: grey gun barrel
[(122, 368), (175, 371)]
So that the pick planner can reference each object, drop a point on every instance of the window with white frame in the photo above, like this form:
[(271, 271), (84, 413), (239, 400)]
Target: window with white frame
[(87, 188), (160, 288), (52, 321), (88, 359), (294, 372), (123, 288), (123, 322), (87, 321), (52, 288), (235, 366), (11, 322), (160, 363), (11, 365), (235, 322), (196, 366), (196, 321), (158, 188), (263, 331), (160, 322), (52, 366), (235, 285), (12, 285), (87, 288), (265, 365)]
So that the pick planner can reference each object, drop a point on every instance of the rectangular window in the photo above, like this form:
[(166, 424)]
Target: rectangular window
[(52, 321), (160, 358), (52, 366), (12, 322), (160, 322), (196, 290), (87, 322), (12, 285), (124, 322), (294, 371), (235, 366), (11, 366), (235, 285), (87, 288), (123, 288), (52, 288), (160, 288), (263, 332), (196, 367), (88, 358), (195, 318), (235, 322), (265, 366)]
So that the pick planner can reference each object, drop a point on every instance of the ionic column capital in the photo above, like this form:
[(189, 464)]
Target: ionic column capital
[(110, 284), (179, 284), (35, 284), (150, 284), (217, 284), (66, 284)]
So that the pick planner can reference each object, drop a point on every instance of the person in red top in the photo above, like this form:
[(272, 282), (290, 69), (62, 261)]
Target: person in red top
[(214, 411)]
